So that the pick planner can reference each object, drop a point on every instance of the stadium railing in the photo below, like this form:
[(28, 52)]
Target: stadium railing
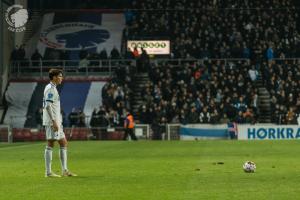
[(172, 132), (21, 67), (71, 67), (99, 67), (181, 62)]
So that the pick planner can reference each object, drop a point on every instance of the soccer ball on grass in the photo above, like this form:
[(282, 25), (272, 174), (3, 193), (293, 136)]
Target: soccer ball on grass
[(249, 167)]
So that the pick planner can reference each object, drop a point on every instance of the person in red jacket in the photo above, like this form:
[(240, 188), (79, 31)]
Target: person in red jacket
[(129, 127)]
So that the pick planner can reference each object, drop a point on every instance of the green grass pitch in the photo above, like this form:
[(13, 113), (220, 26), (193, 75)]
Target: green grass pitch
[(154, 170)]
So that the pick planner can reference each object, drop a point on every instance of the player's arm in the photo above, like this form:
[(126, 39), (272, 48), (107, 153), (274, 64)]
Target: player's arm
[(49, 108)]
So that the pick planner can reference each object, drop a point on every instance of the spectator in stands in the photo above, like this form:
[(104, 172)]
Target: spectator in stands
[(14, 54), (215, 117), (143, 115), (83, 64), (248, 116), (163, 128), (115, 54), (275, 117), (240, 118), (224, 119), (135, 52), (291, 117), (118, 94), (73, 118), (103, 54), (21, 53), (156, 130), (204, 116), (63, 116), (151, 115), (129, 54), (253, 73), (94, 123), (99, 124), (36, 58), (270, 53), (182, 117), (81, 118), (114, 118), (39, 117), (103, 123), (159, 128), (193, 116), (143, 61)]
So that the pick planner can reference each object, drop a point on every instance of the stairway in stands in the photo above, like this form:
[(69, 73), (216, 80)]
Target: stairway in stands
[(264, 102), (140, 80)]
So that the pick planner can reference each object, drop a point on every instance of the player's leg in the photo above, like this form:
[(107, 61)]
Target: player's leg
[(50, 136), (48, 156), (63, 155)]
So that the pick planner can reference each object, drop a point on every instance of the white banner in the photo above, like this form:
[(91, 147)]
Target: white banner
[(268, 132), (153, 47), (73, 36), (203, 131)]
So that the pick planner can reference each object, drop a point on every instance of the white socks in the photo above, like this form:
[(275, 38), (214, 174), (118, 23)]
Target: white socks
[(63, 158), (48, 159)]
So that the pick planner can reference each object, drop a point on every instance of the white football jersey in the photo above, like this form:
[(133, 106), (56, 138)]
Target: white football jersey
[(51, 96)]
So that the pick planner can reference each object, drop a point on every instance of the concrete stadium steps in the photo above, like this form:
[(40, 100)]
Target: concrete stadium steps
[(140, 80), (264, 102)]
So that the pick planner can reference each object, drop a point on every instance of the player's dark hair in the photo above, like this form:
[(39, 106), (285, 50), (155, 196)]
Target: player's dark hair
[(54, 72)]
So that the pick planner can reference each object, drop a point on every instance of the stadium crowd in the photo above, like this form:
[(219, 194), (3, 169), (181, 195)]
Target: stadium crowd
[(218, 29), (213, 92), (116, 98), (283, 82)]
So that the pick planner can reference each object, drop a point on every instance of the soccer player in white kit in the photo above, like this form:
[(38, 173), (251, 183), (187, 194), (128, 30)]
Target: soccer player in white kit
[(52, 121)]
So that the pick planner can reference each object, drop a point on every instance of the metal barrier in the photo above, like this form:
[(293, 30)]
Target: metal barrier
[(182, 62), (96, 67), (70, 67)]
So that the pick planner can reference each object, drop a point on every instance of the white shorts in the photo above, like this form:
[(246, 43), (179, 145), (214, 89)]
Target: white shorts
[(51, 135)]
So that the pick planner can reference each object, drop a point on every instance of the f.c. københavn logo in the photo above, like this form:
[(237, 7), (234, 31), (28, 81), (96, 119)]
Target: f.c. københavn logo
[(16, 17)]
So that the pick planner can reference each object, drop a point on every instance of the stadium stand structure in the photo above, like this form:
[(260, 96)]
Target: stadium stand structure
[(228, 62)]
